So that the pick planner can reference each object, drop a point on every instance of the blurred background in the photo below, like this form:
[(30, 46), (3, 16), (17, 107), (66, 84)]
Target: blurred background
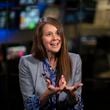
[(87, 29)]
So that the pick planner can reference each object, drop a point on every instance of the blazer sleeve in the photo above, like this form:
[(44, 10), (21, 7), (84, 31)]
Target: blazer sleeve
[(78, 78), (78, 73), (31, 102)]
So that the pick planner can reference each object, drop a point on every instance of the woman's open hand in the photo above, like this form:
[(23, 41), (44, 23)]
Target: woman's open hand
[(73, 88), (62, 83), (64, 87), (51, 87)]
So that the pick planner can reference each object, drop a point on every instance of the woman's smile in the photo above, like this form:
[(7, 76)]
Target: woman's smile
[(51, 38), (55, 45)]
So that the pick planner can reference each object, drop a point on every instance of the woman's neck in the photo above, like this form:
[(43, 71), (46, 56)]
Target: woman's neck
[(52, 61)]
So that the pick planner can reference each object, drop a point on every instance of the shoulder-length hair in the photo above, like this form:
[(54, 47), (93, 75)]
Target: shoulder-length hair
[(39, 52)]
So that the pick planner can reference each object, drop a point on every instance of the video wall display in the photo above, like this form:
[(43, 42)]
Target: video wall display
[(26, 2), (71, 16), (25, 14), (29, 17), (9, 19), (3, 18), (13, 18), (13, 52)]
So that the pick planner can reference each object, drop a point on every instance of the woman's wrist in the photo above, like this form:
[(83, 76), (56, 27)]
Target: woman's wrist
[(44, 97)]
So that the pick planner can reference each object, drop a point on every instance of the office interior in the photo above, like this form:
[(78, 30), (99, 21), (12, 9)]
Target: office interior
[(87, 30)]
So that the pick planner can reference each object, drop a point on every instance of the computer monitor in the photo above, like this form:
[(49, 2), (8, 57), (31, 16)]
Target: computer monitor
[(13, 52), (29, 17)]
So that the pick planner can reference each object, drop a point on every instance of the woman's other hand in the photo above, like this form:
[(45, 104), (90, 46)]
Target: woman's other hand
[(73, 88)]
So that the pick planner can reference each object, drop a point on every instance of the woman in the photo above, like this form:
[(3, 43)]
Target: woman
[(50, 77)]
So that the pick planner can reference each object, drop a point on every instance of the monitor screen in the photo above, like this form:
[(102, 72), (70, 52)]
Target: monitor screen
[(14, 52), (3, 19), (13, 19), (29, 17), (70, 16), (26, 2), (9, 19)]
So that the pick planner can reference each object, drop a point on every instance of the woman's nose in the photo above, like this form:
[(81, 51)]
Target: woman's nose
[(54, 36)]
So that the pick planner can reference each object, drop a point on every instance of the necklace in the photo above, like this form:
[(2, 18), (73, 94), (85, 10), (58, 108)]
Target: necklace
[(53, 64)]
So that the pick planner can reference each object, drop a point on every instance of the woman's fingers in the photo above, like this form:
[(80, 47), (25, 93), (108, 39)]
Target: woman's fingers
[(51, 87), (77, 85), (62, 82), (48, 81), (70, 88), (74, 87)]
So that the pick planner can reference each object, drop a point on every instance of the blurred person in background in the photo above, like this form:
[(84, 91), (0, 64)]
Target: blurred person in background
[(2, 62), (50, 77)]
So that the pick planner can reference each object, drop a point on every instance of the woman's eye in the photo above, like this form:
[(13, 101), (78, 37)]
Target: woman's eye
[(48, 34), (58, 33)]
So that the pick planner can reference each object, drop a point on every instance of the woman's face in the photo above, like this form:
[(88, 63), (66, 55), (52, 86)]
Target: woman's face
[(51, 38)]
